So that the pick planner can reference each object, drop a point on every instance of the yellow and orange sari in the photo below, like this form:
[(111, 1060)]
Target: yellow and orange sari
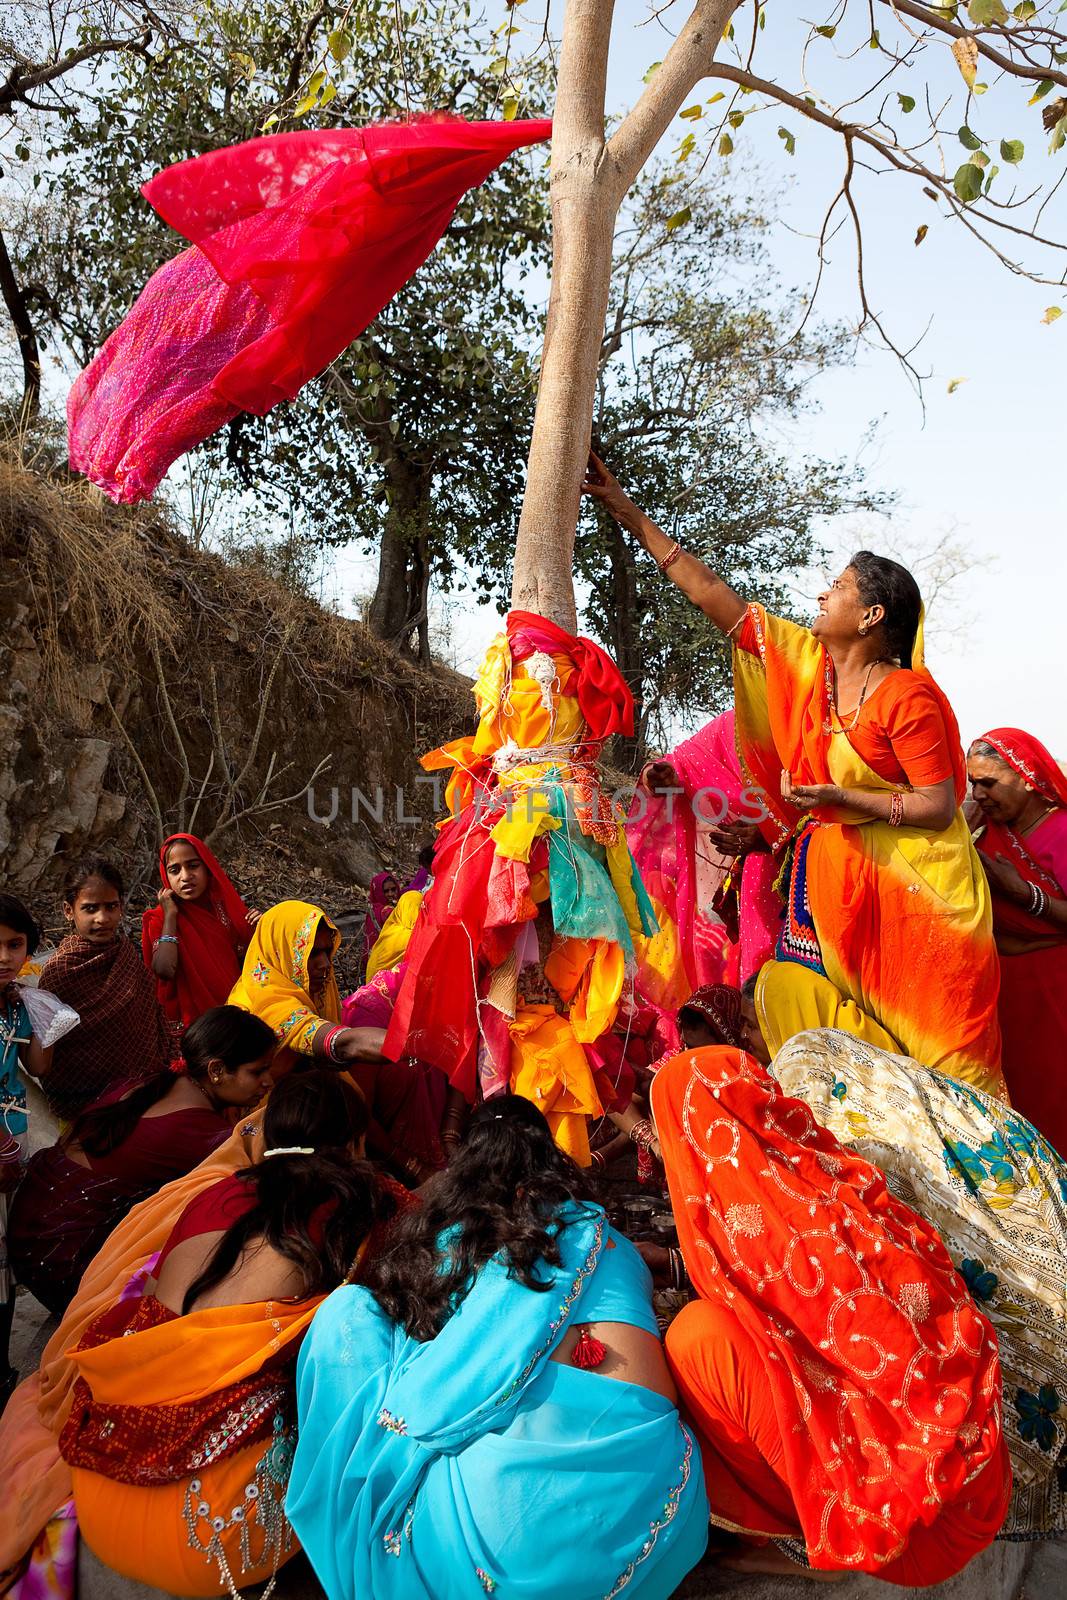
[(902, 916)]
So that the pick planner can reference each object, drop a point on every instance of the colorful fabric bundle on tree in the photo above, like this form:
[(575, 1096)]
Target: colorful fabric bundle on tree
[(525, 939), (299, 240)]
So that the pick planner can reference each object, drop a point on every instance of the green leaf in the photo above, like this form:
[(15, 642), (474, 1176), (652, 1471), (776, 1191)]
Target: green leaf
[(1011, 151), (726, 145), (736, 118), (510, 108), (1024, 10), (827, 30), (979, 88), (1052, 313), (309, 102), (328, 93), (980, 159), (1059, 136), (969, 140), (679, 219), (954, 383), (498, 67), (990, 175), (906, 102), (873, 43), (968, 182), (692, 113), (717, 97), (339, 43), (1044, 87), (788, 140), (245, 62), (271, 122), (651, 73), (985, 12)]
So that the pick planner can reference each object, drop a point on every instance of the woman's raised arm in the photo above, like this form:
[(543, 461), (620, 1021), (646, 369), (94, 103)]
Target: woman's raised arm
[(705, 588)]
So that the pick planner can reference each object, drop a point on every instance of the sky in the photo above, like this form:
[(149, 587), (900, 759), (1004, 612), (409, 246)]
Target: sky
[(984, 464)]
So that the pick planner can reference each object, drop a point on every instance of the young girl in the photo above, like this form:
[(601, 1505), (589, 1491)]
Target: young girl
[(19, 937), (130, 1144), (194, 940), (96, 970)]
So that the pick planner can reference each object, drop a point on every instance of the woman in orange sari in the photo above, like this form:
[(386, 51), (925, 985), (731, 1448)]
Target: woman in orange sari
[(180, 1433), (845, 1389), (1021, 793), (856, 748)]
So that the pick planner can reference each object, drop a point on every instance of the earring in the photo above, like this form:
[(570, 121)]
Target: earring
[(863, 630)]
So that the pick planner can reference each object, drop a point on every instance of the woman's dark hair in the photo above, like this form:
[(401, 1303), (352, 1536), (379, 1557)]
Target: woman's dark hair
[(748, 988), (225, 1033), (87, 867), (502, 1191), (321, 1111), (13, 914), (426, 857), (886, 583)]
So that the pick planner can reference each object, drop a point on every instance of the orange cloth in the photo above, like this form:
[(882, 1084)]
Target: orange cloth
[(550, 1068), (846, 1387), (142, 1532), (35, 1478), (903, 916)]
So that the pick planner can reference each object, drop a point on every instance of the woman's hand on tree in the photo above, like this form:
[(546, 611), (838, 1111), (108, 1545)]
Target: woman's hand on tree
[(601, 485), (252, 916)]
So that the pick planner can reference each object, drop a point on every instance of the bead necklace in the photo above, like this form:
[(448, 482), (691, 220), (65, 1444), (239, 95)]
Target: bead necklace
[(831, 696)]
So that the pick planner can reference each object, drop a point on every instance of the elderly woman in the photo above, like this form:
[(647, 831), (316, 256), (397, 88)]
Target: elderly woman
[(857, 750), (1021, 794)]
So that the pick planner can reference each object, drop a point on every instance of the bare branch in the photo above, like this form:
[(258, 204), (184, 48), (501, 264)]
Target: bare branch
[(179, 742), (943, 24), (153, 798)]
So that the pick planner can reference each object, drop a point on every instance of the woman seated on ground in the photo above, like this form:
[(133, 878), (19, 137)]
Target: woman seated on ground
[(288, 980), (845, 1388), (122, 1034), (194, 940), (382, 896), (997, 1194), (128, 1145), (1022, 840), (181, 1432), (463, 1422), (856, 751), (390, 947)]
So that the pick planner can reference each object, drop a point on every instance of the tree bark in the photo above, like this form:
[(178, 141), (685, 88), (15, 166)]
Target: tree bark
[(26, 335), (390, 615), (590, 178)]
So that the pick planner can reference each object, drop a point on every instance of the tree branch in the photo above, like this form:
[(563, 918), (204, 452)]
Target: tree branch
[(686, 62), (19, 83), (25, 333), (943, 24)]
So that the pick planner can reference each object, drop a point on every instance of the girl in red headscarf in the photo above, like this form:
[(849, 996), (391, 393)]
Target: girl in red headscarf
[(1021, 793), (195, 938)]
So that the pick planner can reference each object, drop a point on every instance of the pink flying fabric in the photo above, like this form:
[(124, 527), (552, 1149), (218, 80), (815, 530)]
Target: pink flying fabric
[(298, 241)]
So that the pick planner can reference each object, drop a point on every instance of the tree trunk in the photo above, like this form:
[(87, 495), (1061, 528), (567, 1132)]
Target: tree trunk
[(590, 178), (390, 615), (26, 335)]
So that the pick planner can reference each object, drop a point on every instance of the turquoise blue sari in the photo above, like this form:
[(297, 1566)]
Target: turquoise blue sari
[(473, 1464)]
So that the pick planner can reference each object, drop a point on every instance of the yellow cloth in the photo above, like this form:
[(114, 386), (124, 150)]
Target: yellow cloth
[(391, 944), (791, 999), (549, 1067), (274, 981)]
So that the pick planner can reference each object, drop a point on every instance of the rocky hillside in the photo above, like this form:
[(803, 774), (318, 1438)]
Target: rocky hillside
[(146, 687)]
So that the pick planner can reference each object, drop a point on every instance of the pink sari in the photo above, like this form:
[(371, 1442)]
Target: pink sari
[(682, 870)]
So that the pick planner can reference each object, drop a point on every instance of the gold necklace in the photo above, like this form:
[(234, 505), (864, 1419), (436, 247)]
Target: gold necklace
[(831, 696)]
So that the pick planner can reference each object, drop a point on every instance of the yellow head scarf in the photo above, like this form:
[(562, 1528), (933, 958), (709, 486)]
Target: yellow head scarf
[(274, 981)]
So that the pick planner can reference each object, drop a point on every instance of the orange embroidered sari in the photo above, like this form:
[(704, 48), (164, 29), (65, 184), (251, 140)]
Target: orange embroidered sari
[(903, 916), (845, 1388)]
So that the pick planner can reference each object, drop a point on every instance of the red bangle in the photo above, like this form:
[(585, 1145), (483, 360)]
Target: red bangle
[(896, 809), (671, 557), (327, 1042)]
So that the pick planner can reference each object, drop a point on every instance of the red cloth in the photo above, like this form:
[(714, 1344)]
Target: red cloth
[(122, 1035), (1032, 1004), (299, 240), (212, 933), (603, 693), (880, 1376), (1031, 760)]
